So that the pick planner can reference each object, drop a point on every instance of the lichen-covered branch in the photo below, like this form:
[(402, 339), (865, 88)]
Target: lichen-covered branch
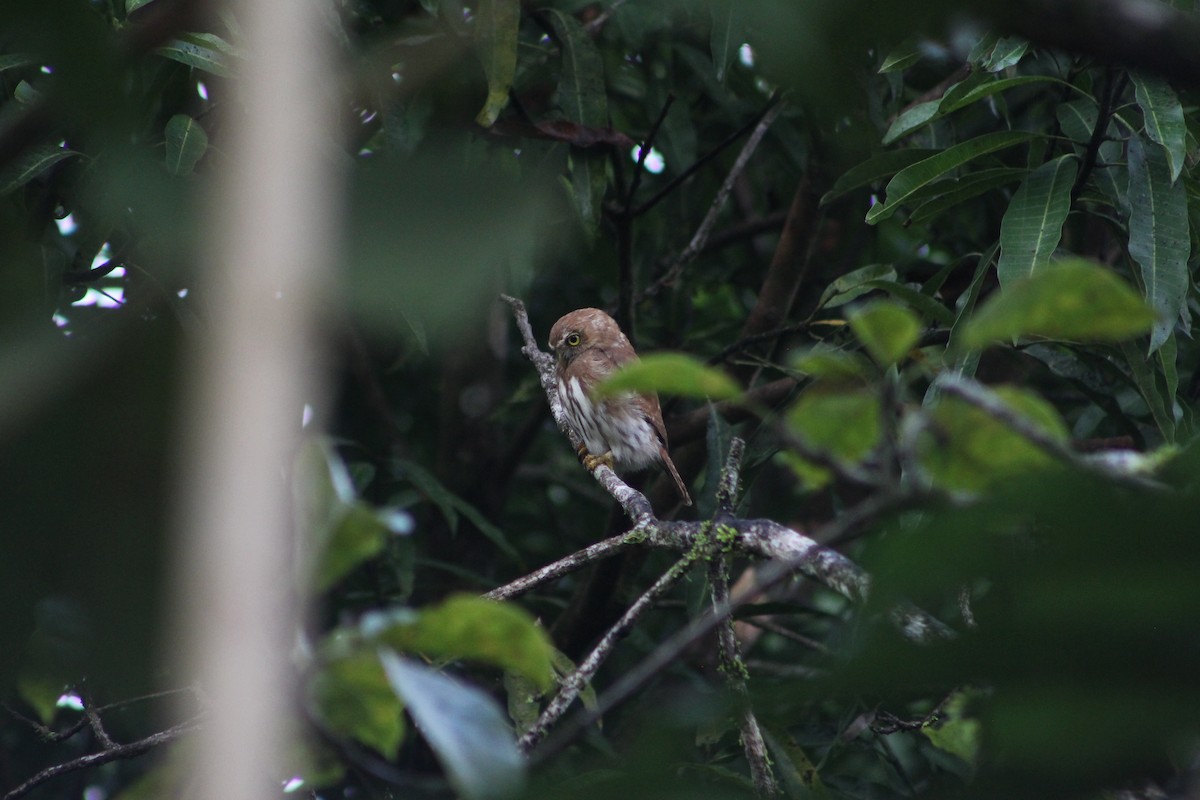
[(577, 560)]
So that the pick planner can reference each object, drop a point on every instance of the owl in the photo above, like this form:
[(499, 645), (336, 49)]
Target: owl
[(625, 430)]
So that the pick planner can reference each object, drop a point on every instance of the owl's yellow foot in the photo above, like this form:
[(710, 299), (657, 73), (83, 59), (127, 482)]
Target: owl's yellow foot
[(590, 462)]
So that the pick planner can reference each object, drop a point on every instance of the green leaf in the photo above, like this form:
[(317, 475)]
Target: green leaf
[(923, 303), (1164, 118), (911, 119), (1159, 239), (451, 506), (670, 373), (875, 169), (726, 35), (956, 733), (968, 449), (30, 164), (353, 697), (186, 144), (924, 172), (836, 418), (13, 60), (204, 51), (951, 194), (1032, 225), (134, 5), (1008, 51), (463, 725), (854, 284), (581, 96), (470, 627), (1162, 409), (1073, 299), (838, 365), (956, 97), (888, 331), (902, 56), (497, 30), (357, 535)]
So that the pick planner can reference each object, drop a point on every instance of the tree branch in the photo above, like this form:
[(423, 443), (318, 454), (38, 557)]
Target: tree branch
[(113, 753)]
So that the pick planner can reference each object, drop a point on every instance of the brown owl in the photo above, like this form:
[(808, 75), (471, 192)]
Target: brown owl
[(626, 430)]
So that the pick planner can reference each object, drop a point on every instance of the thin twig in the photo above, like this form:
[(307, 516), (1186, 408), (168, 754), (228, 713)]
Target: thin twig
[(564, 566), (573, 685), (700, 237), (114, 753), (734, 669)]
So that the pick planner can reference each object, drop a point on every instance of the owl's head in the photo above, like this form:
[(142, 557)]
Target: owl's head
[(582, 329)]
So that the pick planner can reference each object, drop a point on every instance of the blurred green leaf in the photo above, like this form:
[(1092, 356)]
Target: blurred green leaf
[(581, 96), (451, 505), (1164, 118), (30, 164), (353, 697), (464, 726), (911, 178), (203, 51), (14, 60), (839, 365), (1073, 299), (471, 627), (841, 420), (912, 119), (497, 28), (1032, 225), (726, 36), (1159, 239), (186, 144), (1162, 409), (670, 373), (969, 449), (887, 330), (918, 301), (957, 732)]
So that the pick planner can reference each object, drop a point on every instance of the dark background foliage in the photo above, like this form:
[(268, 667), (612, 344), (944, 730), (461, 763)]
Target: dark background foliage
[(914, 160)]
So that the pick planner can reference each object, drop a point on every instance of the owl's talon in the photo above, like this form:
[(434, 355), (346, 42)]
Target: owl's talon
[(590, 462)]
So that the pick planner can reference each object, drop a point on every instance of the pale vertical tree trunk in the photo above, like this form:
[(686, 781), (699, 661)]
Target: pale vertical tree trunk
[(253, 371)]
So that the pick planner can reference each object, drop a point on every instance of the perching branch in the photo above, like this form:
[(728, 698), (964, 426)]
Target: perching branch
[(790, 552), (110, 753)]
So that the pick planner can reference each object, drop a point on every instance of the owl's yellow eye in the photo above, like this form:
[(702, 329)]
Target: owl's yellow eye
[(573, 340)]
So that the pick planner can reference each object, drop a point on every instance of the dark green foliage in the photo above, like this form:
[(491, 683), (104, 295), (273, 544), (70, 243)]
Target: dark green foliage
[(934, 204)]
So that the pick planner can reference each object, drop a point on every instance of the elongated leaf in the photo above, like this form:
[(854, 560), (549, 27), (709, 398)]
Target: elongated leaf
[(13, 60), (912, 119), (726, 35), (875, 169), (1072, 299), (30, 164), (204, 51), (1159, 239), (497, 27), (464, 726), (1007, 52), (582, 98), (670, 373), (1161, 408), (958, 96), (952, 194), (924, 172), (902, 56), (926, 305), (451, 506), (1032, 225), (186, 144), (853, 284), (1164, 118)]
